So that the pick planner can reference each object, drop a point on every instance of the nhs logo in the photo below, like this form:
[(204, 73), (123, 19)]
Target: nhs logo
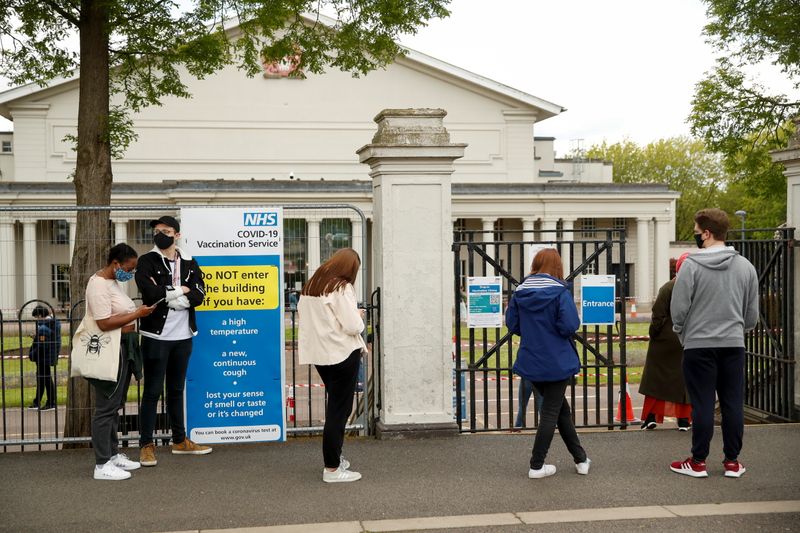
[(261, 219)]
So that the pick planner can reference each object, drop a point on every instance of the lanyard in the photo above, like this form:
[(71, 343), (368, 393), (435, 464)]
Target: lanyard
[(176, 271)]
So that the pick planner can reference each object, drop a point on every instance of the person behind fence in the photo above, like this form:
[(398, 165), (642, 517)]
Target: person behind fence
[(330, 327), (542, 312), (169, 278), (44, 352), (111, 308), (662, 382), (714, 303)]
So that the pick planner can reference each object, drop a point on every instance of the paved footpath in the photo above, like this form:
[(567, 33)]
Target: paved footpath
[(471, 483)]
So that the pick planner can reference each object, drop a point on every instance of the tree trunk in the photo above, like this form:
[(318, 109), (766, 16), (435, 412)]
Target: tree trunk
[(92, 184)]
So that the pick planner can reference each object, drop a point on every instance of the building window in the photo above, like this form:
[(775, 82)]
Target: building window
[(620, 223), (588, 227), (460, 224), (295, 260), (59, 278), (59, 232), (142, 232), (335, 234), (7, 147)]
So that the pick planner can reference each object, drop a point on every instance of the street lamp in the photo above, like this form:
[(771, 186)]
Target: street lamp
[(741, 213)]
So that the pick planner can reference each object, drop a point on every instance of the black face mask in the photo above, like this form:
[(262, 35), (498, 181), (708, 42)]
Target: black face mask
[(163, 241), (698, 238)]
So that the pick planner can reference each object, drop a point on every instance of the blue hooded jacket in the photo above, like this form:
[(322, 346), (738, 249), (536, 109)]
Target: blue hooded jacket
[(543, 314)]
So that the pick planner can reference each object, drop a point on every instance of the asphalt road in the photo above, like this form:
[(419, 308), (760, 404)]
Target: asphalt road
[(254, 485)]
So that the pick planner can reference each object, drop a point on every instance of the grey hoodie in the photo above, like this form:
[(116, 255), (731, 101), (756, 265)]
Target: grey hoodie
[(715, 300)]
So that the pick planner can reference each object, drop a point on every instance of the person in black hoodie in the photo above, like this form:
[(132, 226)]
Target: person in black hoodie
[(170, 278), (542, 312), (44, 352)]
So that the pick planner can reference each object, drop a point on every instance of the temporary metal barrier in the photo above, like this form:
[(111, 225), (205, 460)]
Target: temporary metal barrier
[(35, 252), (486, 356)]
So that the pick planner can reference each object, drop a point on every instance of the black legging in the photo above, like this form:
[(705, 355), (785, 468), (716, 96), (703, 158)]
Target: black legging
[(45, 385), (340, 384)]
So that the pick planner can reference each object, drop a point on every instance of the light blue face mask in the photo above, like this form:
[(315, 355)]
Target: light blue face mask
[(123, 276)]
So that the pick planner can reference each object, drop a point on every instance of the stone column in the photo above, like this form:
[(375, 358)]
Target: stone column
[(528, 235), (73, 232), (8, 270), (643, 285), (790, 158), (120, 231), (567, 224), (356, 241), (488, 236), (411, 162), (548, 229), (313, 243), (661, 252), (30, 275)]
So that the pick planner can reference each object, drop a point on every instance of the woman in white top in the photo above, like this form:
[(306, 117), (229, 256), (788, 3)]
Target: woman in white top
[(111, 308), (330, 338)]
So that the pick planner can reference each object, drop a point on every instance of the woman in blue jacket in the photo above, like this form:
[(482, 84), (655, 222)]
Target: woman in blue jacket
[(543, 314)]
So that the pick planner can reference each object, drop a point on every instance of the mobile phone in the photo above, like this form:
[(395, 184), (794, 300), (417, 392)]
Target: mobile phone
[(159, 301)]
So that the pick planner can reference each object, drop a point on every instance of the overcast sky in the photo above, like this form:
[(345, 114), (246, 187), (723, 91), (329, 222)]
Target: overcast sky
[(622, 68)]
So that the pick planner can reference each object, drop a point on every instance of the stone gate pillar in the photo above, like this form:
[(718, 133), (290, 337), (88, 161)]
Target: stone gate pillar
[(790, 158), (411, 161)]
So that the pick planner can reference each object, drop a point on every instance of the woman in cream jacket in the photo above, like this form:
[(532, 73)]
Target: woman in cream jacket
[(330, 338)]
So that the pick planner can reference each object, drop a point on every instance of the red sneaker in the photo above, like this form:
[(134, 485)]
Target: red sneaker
[(734, 468), (689, 467)]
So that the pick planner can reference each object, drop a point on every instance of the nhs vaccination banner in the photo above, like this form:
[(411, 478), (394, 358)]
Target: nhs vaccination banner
[(236, 380), (484, 302), (597, 300)]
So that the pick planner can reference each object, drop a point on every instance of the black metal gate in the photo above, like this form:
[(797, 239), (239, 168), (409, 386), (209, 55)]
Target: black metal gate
[(770, 350), (486, 389)]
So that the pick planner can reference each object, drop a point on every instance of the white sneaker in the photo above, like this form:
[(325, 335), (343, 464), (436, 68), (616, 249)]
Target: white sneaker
[(340, 475), (544, 471), (121, 461), (343, 463), (583, 468), (110, 472)]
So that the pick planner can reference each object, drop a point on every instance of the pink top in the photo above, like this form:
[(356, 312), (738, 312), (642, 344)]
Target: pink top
[(105, 298)]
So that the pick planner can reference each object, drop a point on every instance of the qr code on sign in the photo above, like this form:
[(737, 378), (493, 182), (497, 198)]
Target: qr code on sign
[(494, 299)]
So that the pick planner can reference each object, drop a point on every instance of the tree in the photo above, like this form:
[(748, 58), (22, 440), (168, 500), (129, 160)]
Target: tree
[(682, 163), (757, 185), (137, 49), (729, 111)]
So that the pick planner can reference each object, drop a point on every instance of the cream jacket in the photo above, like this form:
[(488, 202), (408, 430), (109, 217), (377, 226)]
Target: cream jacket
[(330, 327)]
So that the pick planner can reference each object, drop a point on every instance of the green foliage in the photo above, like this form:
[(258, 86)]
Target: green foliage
[(729, 110), (757, 185), (155, 44), (682, 163)]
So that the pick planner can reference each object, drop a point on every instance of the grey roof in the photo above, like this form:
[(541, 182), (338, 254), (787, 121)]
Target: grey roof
[(325, 186)]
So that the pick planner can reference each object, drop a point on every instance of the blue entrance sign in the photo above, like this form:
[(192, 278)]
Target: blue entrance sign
[(597, 300), (235, 382)]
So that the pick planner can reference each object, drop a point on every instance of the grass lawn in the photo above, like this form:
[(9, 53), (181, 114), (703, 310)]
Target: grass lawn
[(635, 352)]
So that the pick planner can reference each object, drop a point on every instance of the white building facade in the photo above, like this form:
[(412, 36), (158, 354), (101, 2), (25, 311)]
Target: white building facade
[(281, 141)]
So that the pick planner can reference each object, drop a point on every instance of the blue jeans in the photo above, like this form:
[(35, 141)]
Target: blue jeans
[(525, 390)]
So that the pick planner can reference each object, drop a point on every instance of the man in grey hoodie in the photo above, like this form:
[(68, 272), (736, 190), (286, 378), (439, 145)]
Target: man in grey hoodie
[(714, 303)]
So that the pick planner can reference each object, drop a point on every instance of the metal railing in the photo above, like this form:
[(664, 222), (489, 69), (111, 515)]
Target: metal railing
[(42, 235), (485, 356)]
